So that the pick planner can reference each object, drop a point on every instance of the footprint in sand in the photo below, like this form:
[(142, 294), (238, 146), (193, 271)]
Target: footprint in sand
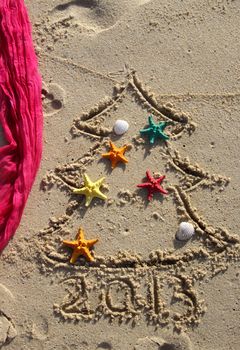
[(7, 328), (95, 15), (53, 97), (169, 342)]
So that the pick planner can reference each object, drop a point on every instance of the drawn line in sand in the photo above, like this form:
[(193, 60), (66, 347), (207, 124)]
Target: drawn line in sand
[(68, 62)]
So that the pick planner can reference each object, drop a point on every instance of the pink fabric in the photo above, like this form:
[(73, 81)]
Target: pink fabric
[(20, 115)]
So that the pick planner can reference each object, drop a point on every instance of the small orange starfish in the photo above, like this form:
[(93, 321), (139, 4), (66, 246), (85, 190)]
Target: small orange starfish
[(81, 246), (116, 154)]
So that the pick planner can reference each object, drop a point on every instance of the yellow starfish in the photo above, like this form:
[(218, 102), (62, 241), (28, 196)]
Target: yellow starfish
[(116, 154), (91, 189), (81, 246)]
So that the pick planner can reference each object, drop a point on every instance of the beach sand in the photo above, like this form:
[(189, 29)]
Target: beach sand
[(104, 60)]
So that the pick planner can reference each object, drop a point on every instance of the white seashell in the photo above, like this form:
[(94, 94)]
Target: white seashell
[(120, 127), (185, 231)]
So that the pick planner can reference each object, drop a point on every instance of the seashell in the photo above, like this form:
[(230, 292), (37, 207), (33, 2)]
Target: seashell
[(185, 231), (120, 127)]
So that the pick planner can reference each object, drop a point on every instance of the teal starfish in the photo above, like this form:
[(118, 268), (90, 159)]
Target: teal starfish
[(155, 131)]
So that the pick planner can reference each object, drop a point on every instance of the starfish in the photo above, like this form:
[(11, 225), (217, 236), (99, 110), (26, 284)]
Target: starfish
[(81, 246), (155, 130), (153, 185), (91, 189), (116, 154)]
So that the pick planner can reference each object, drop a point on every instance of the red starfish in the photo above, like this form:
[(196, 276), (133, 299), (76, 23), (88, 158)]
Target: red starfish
[(153, 185)]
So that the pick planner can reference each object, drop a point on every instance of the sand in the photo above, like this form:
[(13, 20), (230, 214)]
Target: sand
[(107, 60)]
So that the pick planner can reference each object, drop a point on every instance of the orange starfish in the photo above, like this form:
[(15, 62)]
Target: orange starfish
[(80, 246), (116, 154)]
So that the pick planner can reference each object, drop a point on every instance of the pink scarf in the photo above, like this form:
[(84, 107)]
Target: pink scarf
[(20, 115)]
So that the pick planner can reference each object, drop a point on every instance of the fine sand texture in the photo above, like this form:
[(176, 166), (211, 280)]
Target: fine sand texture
[(103, 60)]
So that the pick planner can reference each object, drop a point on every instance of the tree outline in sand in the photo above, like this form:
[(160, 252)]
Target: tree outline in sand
[(218, 244)]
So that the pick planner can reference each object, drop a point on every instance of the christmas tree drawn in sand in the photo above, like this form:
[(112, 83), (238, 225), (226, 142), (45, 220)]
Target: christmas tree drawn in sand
[(140, 270)]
